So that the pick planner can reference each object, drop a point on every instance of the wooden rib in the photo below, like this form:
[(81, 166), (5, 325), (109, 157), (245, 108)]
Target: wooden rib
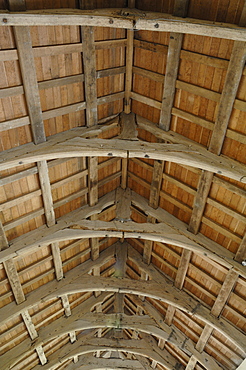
[(89, 61), (183, 267), (191, 364), (171, 73), (128, 76), (153, 202), (14, 280), (107, 18), (124, 177), (207, 331), (241, 252), (224, 293), (233, 77), (46, 192), (28, 71), (3, 239), (170, 314), (120, 272)]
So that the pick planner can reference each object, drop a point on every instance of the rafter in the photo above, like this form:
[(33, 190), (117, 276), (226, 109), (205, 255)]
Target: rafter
[(122, 18), (228, 96), (172, 66)]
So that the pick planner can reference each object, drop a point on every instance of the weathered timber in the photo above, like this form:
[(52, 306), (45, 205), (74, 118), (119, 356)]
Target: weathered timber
[(116, 18)]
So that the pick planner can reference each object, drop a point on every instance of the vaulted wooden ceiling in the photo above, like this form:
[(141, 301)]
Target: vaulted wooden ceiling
[(123, 137)]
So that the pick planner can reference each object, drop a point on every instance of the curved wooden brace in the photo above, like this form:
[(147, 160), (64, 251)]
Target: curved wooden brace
[(80, 147), (99, 320), (164, 292), (161, 233), (85, 346), (93, 363)]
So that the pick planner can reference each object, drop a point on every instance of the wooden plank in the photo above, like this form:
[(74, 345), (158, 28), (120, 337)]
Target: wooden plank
[(52, 113), (200, 200), (93, 180), (191, 364), (207, 124), (66, 305), (241, 252), (170, 314), (14, 123), (156, 183), (46, 192), (107, 18), (123, 204), (14, 280), (145, 100), (128, 76), (224, 293), (89, 62), (148, 245), (228, 96), (124, 177), (171, 73), (28, 71), (3, 239), (206, 333), (149, 74), (120, 272), (183, 267)]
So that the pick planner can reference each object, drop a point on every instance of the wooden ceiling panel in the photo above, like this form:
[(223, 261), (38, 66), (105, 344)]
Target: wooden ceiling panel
[(197, 285), (46, 4)]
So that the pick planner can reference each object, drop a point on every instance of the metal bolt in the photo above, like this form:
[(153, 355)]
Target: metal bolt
[(111, 21), (156, 25)]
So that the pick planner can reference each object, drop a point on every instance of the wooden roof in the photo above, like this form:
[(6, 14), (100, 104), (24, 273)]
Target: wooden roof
[(123, 184)]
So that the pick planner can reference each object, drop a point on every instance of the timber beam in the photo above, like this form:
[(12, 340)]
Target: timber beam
[(123, 18), (183, 151)]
